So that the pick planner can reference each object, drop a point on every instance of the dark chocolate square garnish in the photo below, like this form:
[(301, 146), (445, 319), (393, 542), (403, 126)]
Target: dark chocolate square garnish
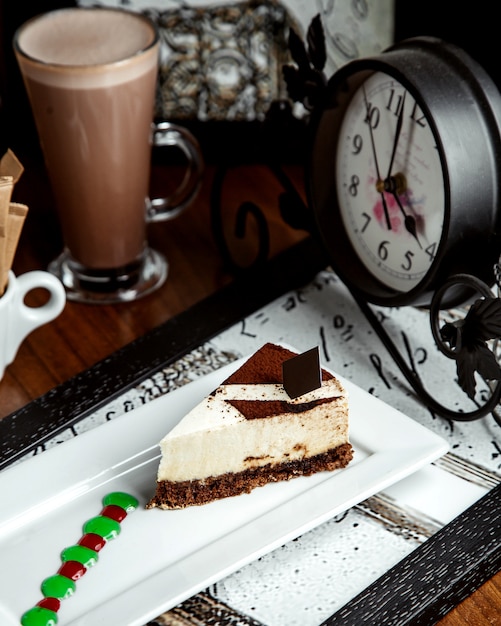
[(301, 373)]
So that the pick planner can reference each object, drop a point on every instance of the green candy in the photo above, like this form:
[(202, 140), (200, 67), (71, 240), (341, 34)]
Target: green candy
[(124, 500), (81, 554), (103, 526), (58, 586), (39, 616)]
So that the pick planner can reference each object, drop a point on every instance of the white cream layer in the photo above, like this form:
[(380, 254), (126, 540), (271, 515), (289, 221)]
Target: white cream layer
[(215, 438)]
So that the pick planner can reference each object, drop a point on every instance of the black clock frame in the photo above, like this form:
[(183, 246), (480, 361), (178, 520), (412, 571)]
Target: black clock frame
[(463, 108), (421, 588)]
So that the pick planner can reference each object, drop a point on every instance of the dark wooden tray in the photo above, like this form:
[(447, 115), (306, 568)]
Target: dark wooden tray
[(420, 589)]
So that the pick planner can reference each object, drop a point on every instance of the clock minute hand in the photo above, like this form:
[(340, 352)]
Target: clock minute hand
[(397, 134), (391, 185), (379, 180)]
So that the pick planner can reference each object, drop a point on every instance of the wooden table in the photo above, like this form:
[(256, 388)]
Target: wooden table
[(85, 334)]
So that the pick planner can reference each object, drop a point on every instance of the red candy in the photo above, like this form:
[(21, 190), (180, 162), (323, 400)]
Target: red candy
[(115, 512), (93, 541), (72, 570), (53, 604)]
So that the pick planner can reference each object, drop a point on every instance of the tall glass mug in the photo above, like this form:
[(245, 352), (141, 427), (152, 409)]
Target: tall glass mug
[(90, 74)]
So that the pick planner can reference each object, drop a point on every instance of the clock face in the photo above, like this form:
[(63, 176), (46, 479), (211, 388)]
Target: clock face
[(390, 183)]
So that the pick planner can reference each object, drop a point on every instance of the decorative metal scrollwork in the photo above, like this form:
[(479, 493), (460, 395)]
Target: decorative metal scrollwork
[(464, 340), (244, 212), (466, 362), (292, 209)]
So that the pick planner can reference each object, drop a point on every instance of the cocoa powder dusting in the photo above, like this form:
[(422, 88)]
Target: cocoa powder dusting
[(265, 366), (253, 409)]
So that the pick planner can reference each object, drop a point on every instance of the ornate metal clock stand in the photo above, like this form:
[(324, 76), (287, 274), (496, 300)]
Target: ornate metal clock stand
[(470, 341)]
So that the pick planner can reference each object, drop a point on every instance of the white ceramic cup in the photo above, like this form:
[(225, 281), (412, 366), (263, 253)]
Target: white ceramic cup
[(17, 320)]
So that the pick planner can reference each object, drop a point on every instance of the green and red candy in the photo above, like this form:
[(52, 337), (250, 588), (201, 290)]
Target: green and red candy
[(78, 558)]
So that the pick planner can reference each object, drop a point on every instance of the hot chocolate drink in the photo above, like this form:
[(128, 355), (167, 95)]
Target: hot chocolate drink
[(91, 75)]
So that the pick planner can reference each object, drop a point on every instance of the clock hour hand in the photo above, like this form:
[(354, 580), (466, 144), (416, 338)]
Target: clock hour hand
[(409, 220), (395, 185), (379, 180)]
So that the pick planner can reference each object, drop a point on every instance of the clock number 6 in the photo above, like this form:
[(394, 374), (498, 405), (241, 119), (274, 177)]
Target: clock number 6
[(383, 250)]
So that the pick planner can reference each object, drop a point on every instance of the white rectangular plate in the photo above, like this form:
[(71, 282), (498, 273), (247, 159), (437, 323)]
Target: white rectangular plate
[(164, 557)]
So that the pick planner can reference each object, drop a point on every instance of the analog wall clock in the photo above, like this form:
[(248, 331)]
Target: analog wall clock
[(404, 172)]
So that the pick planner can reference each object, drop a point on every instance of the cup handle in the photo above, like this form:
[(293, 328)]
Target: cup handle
[(167, 134), (33, 317)]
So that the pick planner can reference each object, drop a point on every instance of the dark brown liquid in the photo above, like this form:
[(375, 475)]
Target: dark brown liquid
[(96, 144)]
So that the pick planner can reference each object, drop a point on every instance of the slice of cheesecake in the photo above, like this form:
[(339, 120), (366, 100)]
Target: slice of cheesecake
[(250, 432)]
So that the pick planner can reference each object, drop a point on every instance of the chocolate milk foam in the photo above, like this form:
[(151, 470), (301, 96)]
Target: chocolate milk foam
[(91, 75)]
